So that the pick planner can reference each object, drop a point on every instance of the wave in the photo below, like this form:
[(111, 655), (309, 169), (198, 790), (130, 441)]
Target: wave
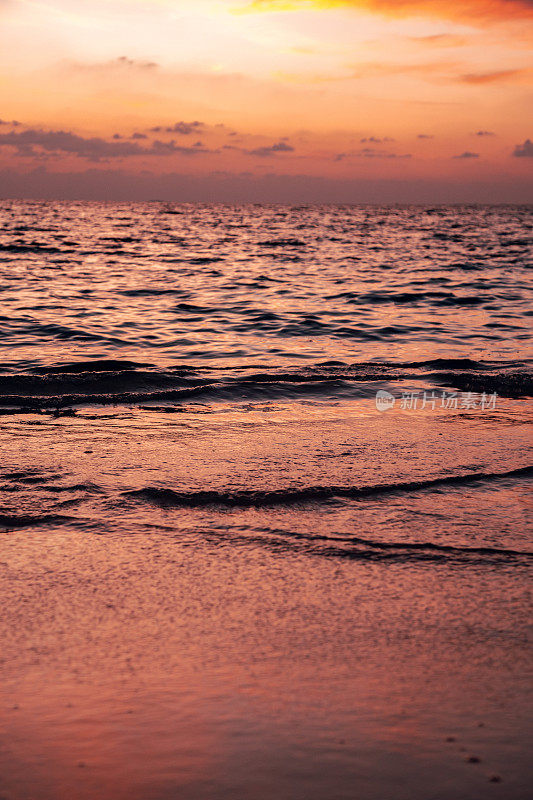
[(117, 382), (405, 298), (87, 488), (449, 363), (423, 547), (11, 521), (518, 384), (354, 548), (282, 243), (34, 247), (102, 365), (206, 392), (165, 497)]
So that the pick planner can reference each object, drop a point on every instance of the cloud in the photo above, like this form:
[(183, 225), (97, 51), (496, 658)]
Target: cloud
[(494, 77), (467, 154), (524, 150), (279, 147), (169, 148), (480, 12), (438, 71), (185, 128), (124, 61), (439, 40), (115, 64), (428, 71), (93, 149), (376, 140), (266, 151), (370, 152), (425, 136)]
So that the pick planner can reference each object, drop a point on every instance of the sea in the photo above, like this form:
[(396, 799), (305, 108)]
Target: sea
[(265, 499)]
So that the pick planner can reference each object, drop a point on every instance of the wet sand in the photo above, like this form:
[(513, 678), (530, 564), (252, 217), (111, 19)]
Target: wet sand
[(149, 669)]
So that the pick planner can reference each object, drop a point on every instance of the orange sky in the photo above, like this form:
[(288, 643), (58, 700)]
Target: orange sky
[(406, 92)]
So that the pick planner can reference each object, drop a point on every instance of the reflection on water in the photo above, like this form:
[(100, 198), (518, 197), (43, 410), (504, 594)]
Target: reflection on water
[(224, 573), (262, 284)]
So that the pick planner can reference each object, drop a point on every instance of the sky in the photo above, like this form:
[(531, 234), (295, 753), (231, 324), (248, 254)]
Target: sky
[(267, 100)]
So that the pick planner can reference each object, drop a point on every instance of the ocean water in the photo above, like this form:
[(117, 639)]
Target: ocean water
[(220, 286), (217, 538), (240, 318)]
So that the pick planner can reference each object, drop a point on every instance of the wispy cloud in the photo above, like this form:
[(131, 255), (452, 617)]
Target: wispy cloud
[(479, 12), (371, 152), (498, 76), (427, 71), (439, 40), (437, 71), (122, 63)]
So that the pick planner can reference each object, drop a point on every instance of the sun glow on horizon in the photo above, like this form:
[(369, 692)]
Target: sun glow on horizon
[(342, 90)]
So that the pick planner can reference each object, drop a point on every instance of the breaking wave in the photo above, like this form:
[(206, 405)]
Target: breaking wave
[(312, 494)]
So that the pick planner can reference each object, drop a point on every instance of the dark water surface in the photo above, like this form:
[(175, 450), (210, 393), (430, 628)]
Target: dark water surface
[(227, 573), (220, 285)]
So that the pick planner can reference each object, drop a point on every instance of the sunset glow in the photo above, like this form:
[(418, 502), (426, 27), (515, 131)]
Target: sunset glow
[(434, 95)]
